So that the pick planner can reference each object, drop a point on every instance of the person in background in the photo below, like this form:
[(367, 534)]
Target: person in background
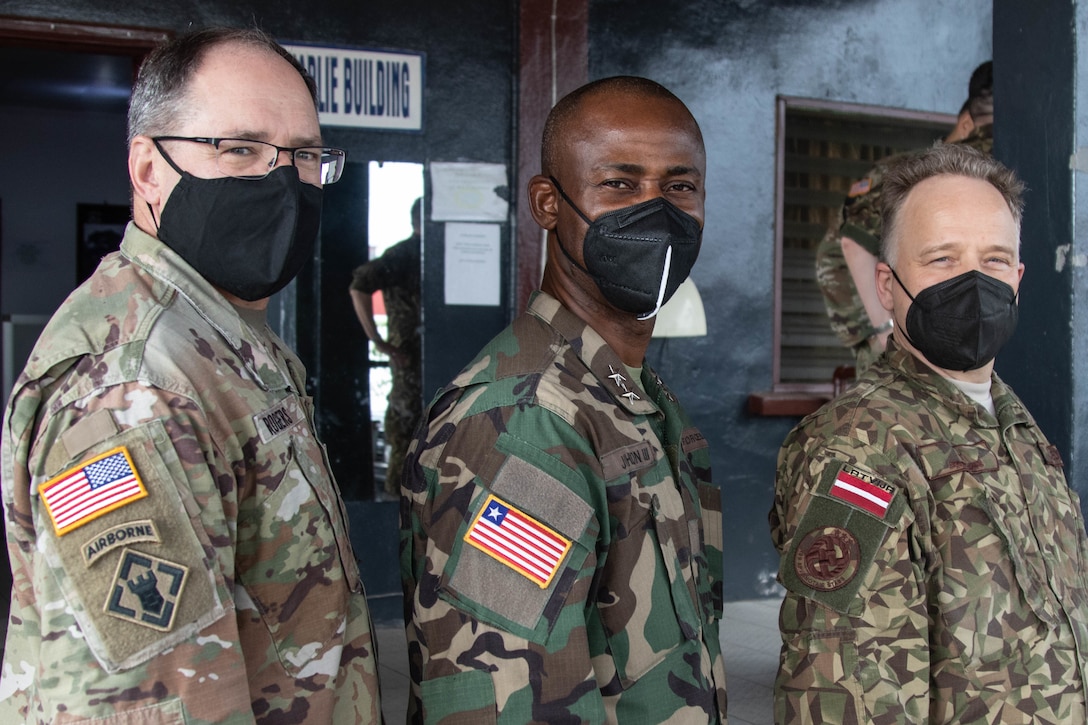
[(846, 258), (397, 274)]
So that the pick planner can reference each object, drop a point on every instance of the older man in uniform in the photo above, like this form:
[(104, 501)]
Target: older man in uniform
[(179, 547), (561, 539), (934, 557), (847, 255)]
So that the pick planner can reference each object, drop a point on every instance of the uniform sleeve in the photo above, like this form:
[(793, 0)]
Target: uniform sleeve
[(118, 518), (854, 620), (375, 274), (498, 555), (861, 215)]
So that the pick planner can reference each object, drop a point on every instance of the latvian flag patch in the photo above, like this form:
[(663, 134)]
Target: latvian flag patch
[(518, 540), (91, 489), (872, 496)]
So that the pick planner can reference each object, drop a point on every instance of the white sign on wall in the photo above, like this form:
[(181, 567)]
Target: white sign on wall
[(365, 88)]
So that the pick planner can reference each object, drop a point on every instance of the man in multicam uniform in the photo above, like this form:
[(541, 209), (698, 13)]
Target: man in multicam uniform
[(397, 274), (561, 539), (934, 557), (847, 255), (179, 548)]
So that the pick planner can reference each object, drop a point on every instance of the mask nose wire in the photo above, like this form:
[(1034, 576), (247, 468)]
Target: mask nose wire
[(661, 288)]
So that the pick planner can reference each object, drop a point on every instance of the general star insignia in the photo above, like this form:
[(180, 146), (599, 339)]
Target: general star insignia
[(619, 380)]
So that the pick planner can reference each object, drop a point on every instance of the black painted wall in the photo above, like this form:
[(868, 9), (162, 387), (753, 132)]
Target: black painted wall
[(1037, 133), (727, 60)]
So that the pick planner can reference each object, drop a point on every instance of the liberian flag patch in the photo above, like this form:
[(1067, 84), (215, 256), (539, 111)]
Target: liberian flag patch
[(518, 540), (872, 496), (91, 489)]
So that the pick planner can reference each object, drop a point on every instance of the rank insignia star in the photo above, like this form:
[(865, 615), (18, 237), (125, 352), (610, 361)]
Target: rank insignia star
[(620, 382)]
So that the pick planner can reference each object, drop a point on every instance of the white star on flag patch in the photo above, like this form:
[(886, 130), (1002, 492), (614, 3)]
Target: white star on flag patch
[(518, 540), (862, 494), (93, 488)]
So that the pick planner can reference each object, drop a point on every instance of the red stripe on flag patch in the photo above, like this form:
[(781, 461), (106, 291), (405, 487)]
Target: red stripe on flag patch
[(862, 494), (518, 540), (93, 488)]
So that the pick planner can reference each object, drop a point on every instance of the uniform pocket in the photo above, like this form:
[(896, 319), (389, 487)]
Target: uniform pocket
[(638, 613), (467, 698), (288, 562)]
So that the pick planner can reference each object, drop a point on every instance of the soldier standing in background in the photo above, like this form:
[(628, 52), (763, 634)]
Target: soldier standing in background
[(561, 539), (397, 274), (846, 257), (179, 548), (934, 557)]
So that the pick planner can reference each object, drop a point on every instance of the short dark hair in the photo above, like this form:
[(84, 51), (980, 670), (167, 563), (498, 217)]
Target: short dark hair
[(568, 106), (165, 74), (980, 92), (943, 158)]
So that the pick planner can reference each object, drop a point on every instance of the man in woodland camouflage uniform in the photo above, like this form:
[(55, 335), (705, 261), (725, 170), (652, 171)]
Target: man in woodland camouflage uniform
[(847, 255), (179, 548), (397, 274), (934, 557), (561, 539)]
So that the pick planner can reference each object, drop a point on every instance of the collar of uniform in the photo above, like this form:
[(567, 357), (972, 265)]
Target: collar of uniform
[(1007, 406), (595, 353), (165, 264)]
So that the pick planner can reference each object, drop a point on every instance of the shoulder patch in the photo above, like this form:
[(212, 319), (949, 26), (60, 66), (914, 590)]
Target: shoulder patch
[(93, 488), (146, 590), (119, 535), (517, 540), (849, 516), (859, 187), (827, 558), (861, 490)]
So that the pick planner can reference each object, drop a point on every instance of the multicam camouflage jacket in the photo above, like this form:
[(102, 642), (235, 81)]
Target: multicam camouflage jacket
[(934, 557), (861, 222), (561, 541), (179, 549)]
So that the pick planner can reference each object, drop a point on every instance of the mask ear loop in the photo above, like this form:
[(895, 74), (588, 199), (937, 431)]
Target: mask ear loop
[(563, 247), (661, 289), (912, 301)]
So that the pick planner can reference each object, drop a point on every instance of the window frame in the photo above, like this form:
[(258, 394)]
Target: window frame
[(808, 392)]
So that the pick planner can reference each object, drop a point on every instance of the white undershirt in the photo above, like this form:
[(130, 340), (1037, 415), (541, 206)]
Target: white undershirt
[(978, 392)]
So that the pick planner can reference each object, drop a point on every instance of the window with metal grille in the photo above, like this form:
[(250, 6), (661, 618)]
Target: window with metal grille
[(823, 147)]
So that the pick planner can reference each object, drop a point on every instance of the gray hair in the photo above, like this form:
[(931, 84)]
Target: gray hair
[(163, 82), (943, 158)]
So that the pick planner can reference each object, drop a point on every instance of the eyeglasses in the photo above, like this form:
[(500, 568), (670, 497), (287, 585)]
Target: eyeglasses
[(245, 158)]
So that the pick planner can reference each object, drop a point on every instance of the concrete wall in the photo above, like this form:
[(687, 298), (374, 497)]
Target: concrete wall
[(728, 61)]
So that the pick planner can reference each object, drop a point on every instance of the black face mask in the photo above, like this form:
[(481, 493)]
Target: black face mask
[(963, 322), (639, 255), (248, 237)]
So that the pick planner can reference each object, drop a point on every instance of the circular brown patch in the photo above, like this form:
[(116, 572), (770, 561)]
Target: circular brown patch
[(827, 558)]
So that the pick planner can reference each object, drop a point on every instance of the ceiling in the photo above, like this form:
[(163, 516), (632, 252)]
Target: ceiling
[(53, 79)]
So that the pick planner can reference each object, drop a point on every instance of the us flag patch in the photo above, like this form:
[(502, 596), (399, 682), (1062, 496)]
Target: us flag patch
[(91, 489), (518, 540), (872, 496), (860, 187)]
